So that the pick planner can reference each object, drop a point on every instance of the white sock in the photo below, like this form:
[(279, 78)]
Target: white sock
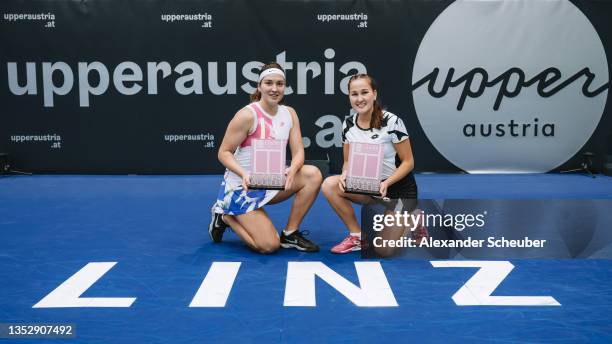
[(356, 235), (288, 232)]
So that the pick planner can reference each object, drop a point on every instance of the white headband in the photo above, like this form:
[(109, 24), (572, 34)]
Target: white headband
[(270, 71)]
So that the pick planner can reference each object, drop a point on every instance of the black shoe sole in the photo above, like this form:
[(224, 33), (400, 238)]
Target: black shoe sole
[(211, 229), (299, 248)]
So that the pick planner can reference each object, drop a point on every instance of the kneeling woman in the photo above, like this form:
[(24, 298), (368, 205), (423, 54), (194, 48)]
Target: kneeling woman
[(241, 208), (371, 124)]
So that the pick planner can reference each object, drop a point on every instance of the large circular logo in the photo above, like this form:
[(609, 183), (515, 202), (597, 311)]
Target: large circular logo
[(510, 86)]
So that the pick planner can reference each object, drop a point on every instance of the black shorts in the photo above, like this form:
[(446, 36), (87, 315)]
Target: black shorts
[(401, 196), (404, 188)]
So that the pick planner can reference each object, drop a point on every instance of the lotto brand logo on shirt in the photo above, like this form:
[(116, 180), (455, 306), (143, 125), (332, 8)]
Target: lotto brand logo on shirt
[(510, 86)]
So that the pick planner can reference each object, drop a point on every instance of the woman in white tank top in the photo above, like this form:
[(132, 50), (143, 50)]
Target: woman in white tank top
[(239, 207)]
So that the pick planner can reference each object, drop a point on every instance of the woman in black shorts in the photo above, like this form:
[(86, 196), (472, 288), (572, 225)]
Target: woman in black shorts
[(371, 124)]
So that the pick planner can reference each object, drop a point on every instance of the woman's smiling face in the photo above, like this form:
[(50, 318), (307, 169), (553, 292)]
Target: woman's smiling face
[(272, 88), (362, 96)]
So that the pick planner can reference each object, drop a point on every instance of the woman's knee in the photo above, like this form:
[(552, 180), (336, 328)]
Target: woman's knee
[(330, 185), (385, 252), (312, 174), (268, 246)]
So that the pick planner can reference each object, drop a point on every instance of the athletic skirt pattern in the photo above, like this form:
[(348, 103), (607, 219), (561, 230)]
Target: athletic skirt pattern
[(233, 200)]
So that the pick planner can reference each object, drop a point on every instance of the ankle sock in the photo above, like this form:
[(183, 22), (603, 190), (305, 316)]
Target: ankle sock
[(288, 232)]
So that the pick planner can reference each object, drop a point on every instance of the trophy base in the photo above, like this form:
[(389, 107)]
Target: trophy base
[(266, 187), (362, 192), (267, 182)]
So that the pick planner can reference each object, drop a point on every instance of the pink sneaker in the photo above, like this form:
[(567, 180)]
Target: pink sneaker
[(349, 244)]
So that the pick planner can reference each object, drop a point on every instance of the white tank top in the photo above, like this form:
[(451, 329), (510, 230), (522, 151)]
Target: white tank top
[(273, 127)]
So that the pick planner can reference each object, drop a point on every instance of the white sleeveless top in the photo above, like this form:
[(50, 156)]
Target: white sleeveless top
[(274, 127)]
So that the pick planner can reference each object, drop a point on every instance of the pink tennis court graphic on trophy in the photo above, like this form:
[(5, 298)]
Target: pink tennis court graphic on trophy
[(365, 165), (268, 164)]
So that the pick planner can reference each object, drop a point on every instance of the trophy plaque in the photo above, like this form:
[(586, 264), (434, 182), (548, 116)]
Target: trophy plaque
[(268, 164), (365, 167)]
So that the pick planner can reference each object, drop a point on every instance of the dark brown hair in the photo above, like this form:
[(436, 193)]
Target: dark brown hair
[(377, 109), (256, 96)]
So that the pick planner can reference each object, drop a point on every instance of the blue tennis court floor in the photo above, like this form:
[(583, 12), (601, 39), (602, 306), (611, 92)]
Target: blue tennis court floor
[(151, 233)]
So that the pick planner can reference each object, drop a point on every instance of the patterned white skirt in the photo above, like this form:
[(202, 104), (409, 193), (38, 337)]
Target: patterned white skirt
[(233, 200)]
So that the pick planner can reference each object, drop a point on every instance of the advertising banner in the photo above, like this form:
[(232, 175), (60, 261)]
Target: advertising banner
[(150, 86)]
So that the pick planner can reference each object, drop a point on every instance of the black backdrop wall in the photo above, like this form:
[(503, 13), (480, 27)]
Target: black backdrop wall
[(149, 86)]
